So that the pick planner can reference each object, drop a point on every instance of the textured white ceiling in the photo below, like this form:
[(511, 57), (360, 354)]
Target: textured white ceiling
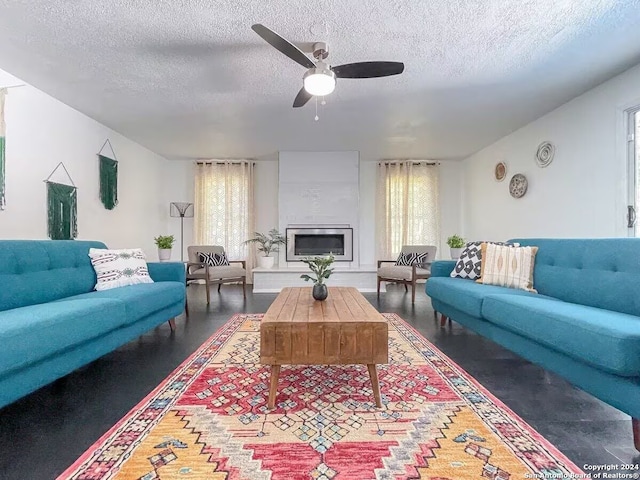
[(191, 79)]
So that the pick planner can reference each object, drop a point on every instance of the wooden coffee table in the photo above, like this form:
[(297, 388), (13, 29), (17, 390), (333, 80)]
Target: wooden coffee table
[(343, 329)]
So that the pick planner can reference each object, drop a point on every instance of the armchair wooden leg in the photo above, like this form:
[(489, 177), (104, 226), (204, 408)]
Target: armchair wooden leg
[(378, 287), (244, 287), (406, 289), (635, 424), (208, 286), (186, 305), (219, 285), (172, 324), (413, 292)]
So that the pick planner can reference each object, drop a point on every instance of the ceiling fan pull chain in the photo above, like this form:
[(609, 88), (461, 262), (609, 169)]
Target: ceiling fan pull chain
[(316, 118), (323, 102)]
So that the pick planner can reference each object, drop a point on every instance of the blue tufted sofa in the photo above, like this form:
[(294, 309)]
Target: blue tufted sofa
[(53, 322), (584, 323)]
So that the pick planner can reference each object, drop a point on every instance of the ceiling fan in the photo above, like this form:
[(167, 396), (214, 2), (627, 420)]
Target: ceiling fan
[(320, 78)]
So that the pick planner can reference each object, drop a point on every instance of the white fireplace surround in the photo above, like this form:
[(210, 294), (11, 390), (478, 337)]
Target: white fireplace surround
[(309, 241), (319, 189)]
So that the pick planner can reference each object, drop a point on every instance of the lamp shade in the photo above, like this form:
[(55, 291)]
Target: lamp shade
[(181, 209), (319, 81)]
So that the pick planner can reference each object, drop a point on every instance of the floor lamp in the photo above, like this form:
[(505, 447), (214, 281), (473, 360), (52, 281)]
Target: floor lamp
[(182, 210)]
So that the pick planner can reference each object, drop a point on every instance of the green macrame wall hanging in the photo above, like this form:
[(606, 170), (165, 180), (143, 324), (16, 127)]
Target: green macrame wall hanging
[(3, 92), (62, 208), (108, 178)]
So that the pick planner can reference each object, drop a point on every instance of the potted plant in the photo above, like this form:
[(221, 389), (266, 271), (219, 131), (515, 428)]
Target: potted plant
[(456, 244), (320, 267), (267, 243), (164, 243)]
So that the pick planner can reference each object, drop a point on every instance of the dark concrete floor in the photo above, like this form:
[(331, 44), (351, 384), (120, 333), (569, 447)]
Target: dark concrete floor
[(45, 432)]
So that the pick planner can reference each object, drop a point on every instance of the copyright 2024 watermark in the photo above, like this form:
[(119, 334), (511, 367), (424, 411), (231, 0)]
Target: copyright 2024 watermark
[(595, 471)]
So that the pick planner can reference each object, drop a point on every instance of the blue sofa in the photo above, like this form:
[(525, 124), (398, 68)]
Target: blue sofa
[(53, 322), (583, 324)]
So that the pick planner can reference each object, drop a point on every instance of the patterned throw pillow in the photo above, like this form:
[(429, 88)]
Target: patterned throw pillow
[(213, 259), (506, 266), (408, 259), (118, 268), (469, 264)]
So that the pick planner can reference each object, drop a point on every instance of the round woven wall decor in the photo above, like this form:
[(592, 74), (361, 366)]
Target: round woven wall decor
[(545, 153), (500, 171), (518, 185)]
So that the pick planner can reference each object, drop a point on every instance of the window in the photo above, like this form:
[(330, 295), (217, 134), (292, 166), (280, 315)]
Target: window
[(407, 210), (224, 206), (633, 152)]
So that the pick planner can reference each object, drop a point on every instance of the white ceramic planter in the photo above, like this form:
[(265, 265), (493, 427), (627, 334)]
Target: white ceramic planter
[(164, 254), (455, 253), (266, 262)]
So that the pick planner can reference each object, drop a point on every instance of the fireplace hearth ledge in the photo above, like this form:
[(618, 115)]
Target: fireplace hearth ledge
[(272, 280)]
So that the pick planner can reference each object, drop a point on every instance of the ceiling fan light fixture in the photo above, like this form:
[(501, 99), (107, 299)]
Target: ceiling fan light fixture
[(319, 81)]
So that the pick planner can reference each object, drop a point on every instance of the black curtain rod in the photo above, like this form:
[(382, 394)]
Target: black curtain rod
[(414, 162), (218, 162)]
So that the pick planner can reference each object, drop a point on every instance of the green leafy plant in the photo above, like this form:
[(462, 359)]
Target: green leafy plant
[(269, 242), (320, 267), (164, 242), (455, 241)]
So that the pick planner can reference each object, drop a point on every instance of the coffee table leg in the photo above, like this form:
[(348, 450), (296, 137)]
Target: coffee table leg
[(273, 387), (373, 373)]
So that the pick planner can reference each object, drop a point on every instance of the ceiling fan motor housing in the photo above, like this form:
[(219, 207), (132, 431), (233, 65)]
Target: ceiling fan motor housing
[(320, 50)]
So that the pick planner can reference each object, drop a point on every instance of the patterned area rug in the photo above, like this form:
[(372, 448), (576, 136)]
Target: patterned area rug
[(209, 420)]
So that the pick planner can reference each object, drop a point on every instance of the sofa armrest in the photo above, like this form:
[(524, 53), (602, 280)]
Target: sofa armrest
[(167, 271), (442, 268)]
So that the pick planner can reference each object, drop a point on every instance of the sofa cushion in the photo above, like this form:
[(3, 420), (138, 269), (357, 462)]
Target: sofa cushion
[(140, 300), (230, 271), (30, 271), (599, 272), (401, 272), (466, 295), (29, 334), (607, 340)]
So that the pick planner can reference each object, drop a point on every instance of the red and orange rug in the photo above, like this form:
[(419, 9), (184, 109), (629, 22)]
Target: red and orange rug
[(209, 420)]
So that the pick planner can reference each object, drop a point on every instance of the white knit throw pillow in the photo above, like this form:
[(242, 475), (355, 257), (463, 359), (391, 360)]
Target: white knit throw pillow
[(118, 268)]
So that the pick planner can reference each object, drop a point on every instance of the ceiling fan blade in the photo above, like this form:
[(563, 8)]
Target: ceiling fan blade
[(284, 46), (302, 98), (368, 69)]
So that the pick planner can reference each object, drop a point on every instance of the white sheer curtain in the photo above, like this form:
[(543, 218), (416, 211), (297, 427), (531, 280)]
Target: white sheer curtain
[(223, 207), (407, 208)]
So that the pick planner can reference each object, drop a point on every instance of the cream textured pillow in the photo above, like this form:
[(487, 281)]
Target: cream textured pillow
[(510, 267), (118, 268)]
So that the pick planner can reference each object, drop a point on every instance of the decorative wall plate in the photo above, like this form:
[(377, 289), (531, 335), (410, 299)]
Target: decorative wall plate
[(518, 185), (544, 155), (500, 172)]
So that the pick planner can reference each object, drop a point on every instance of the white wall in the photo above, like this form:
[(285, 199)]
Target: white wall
[(41, 132), (581, 194), (178, 186)]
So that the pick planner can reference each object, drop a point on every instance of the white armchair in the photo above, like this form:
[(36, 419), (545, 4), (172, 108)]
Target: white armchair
[(407, 274), (212, 275)]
